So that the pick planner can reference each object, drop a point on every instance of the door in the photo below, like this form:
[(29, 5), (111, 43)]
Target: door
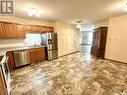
[(10, 30), (49, 41), (50, 54), (20, 31), (54, 54)]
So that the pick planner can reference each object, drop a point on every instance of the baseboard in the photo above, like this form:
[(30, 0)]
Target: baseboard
[(115, 61), (69, 54), (85, 44)]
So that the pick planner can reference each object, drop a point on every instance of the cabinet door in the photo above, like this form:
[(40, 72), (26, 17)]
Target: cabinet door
[(50, 29), (41, 54), (28, 28), (43, 28), (20, 31), (10, 30), (3, 90), (37, 54), (33, 55), (11, 62), (2, 33)]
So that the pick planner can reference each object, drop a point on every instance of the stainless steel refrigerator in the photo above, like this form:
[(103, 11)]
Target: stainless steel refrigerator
[(50, 41)]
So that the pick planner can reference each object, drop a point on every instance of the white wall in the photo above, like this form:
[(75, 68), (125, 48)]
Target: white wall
[(102, 23), (116, 48), (68, 38)]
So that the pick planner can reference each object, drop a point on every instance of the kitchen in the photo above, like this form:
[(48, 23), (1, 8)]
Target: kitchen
[(29, 45)]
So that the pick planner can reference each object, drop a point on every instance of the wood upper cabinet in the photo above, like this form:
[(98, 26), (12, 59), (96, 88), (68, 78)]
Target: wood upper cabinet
[(20, 30), (43, 28), (38, 29), (10, 30), (28, 28), (37, 54), (50, 29), (2, 33)]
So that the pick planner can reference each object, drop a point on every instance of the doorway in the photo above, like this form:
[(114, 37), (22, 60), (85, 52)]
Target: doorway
[(86, 41)]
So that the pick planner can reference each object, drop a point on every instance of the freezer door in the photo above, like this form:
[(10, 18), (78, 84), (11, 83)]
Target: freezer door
[(54, 41), (50, 55), (54, 54)]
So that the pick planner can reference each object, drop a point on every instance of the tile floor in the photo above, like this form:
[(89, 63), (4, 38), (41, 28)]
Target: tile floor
[(75, 74)]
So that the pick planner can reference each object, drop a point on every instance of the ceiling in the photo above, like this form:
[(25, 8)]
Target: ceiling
[(90, 11)]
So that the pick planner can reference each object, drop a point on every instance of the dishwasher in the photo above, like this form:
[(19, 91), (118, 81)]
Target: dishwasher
[(21, 58)]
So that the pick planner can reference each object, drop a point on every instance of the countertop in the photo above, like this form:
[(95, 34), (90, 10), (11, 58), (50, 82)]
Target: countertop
[(4, 50)]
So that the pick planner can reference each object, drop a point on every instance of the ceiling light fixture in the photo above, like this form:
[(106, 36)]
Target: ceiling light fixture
[(78, 23), (125, 8), (78, 26), (32, 11)]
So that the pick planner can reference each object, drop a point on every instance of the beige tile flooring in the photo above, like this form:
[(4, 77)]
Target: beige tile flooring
[(74, 74)]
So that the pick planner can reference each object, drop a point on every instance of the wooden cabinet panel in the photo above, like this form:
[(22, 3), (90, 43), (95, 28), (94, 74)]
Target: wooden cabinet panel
[(10, 30), (37, 54), (50, 29), (41, 54), (38, 29), (11, 62), (3, 91), (20, 30), (43, 28), (28, 28), (33, 55), (2, 33)]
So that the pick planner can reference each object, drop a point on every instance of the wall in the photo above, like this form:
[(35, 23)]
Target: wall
[(86, 37), (116, 48), (102, 23), (25, 21), (68, 38), (20, 42)]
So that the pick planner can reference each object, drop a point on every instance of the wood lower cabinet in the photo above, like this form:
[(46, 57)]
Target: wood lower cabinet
[(37, 54), (11, 62), (3, 90)]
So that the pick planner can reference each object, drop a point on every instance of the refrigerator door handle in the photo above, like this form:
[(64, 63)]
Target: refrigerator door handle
[(49, 41)]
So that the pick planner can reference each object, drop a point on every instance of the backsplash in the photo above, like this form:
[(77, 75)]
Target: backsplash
[(12, 43), (31, 39)]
